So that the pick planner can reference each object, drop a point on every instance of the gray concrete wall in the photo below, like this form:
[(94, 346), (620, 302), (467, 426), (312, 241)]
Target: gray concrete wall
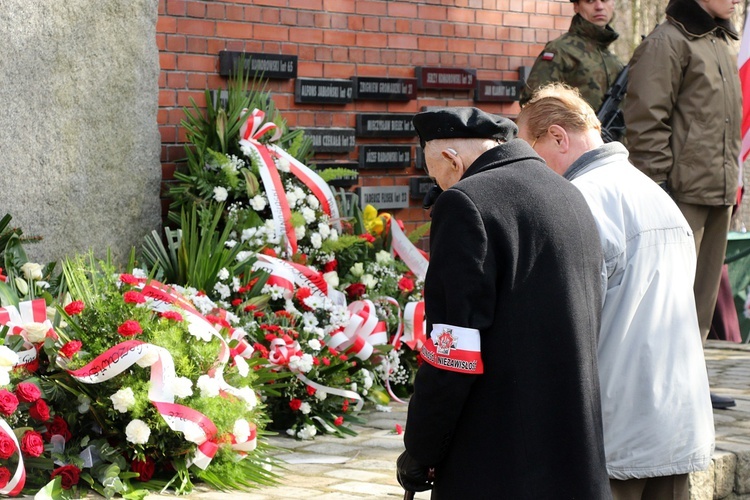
[(79, 142)]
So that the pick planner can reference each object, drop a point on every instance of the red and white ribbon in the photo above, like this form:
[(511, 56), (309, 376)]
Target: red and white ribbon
[(17, 482), (279, 273), (344, 393), (302, 276), (454, 348), (362, 332), (281, 351), (32, 311), (410, 254), (415, 325)]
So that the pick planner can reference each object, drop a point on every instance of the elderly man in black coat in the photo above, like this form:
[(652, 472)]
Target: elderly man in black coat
[(506, 404)]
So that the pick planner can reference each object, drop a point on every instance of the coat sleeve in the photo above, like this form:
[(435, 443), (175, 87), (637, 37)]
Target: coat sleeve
[(544, 71), (653, 85), (460, 295)]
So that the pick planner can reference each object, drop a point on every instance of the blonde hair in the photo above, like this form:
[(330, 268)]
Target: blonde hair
[(557, 104)]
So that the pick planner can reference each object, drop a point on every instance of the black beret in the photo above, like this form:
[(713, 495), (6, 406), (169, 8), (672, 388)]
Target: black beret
[(463, 123)]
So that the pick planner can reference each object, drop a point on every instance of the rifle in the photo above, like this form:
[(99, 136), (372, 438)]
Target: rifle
[(610, 114)]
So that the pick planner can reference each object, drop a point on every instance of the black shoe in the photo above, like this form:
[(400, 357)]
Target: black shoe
[(721, 402)]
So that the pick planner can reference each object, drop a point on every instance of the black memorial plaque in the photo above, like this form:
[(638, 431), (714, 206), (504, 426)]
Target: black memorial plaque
[(419, 186), (331, 140), (385, 125), (497, 90), (524, 72), (419, 159), (277, 66), (331, 91), (384, 156), (384, 89), (382, 197), (446, 78)]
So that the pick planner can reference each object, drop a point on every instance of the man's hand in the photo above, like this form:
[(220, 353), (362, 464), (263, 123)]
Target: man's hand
[(411, 475)]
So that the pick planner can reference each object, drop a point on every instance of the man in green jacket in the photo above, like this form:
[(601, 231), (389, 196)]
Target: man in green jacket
[(683, 113), (581, 57)]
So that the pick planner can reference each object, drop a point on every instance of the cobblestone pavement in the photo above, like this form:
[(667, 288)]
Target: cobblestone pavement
[(364, 466)]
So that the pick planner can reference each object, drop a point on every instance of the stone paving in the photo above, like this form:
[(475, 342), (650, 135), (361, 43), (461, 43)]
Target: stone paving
[(364, 466)]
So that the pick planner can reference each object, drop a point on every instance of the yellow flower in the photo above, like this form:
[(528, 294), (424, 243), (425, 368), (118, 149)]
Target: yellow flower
[(374, 223)]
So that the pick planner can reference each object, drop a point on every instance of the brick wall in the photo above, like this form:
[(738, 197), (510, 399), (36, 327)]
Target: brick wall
[(345, 38)]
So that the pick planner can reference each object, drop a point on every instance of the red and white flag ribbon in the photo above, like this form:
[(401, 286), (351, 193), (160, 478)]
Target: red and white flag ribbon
[(454, 348), (410, 254), (17, 482), (363, 331), (415, 325)]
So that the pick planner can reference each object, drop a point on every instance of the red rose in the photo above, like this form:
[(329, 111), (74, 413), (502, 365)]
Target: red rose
[(130, 328), (133, 297), (4, 476), (338, 421), (355, 291), (57, 426), (143, 467), (75, 307), (32, 444), (295, 404), (33, 366), (7, 446), (39, 410), (8, 402), (69, 475), (128, 279), (301, 294), (173, 315), (69, 349), (27, 392), (367, 237), (331, 265), (406, 285)]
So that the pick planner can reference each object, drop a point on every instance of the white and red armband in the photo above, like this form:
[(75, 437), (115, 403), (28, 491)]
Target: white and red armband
[(454, 348)]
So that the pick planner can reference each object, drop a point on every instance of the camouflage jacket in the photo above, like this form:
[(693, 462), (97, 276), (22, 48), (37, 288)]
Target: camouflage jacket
[(579, 58)]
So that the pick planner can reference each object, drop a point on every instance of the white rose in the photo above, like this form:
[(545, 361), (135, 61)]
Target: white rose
[(383, 257), (8, 358), (241, 430), (4, 378), (369, 280), (137, 432), (314, 344), (35, 332), (208, 386), (148, 359), (258, 203), (220, 194), (357, 269), (123, 400), (321, 395), (182, 387), (32, 271), (305, 408), (332, 278)]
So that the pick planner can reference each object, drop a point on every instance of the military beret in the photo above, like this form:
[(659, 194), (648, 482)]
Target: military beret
[(463, 123)]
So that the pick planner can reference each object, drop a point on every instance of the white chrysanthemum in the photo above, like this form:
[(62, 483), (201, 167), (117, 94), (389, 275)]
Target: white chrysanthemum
[(276, 292), (302, 364), (316, 240), (334, 235), (332, 278), (383, 257), (299, 193), (315, 302), (324, 230), (357, 269), (299, 232), (182, 387), (150, 357), (314, 344), (312, 201), (309, 321), (220, 194), (291, 199), (242, 367), (223, 290), (137, 432), (305, 408), (223, 274), (208, 386), (35, 332), (258, 203), (308, 214), (282, 164), (248, 395), (241, 430), (123, 399), (369, 280), (321, 395), (308, 431)]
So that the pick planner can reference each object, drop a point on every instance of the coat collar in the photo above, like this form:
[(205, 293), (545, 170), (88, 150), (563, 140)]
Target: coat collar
[(592, 159), (695, 22), (510, 152), (603, 36)]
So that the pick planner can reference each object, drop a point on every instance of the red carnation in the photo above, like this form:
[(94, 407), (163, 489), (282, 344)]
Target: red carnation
[(236, 302), (32, 444), (58, 426), (338, 421), (4, 476), (69, 475), (331, 265), (310, 390), (345, 406), (355, 291), (69, 349), (143, 467), (7, 446), (260, 348), (27, 392), (130, 328), (75, 307), (295, 404), (367, 237), (406, 285), (8, 402), (39, 410), (173, 315), (250, 307), (399, 429), (301, 294), (128, 279), (133, 297)]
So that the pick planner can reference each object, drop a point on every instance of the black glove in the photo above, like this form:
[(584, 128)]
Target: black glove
[(411, 475)]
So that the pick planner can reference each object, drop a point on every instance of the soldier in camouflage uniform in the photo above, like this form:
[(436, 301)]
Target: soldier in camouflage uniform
[(581, 57)]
